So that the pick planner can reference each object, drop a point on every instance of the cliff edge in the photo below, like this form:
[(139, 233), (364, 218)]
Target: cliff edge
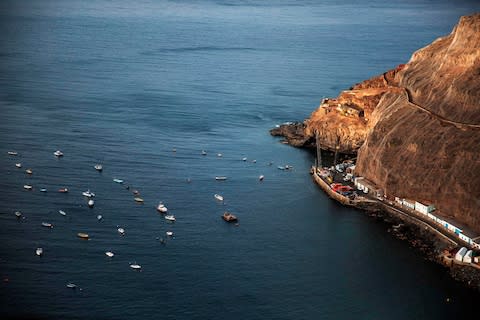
[(416, 128)]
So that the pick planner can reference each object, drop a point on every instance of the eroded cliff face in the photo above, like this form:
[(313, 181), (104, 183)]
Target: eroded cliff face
[(432, 156), (416, 128)]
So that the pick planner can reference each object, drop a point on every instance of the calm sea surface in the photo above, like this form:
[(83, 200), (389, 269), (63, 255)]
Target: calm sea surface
[(122, 83)]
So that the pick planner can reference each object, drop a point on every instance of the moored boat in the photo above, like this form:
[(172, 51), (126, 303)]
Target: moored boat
[(121, 231), (261, 177), (18, 165), (43, 190), (58, 153), (18, 214), (29, 171), (161, 208), (118, 180), (98, 167), (63, 190), (99, 217), (170, 217), (88, 194), (39, 251), (135, 266), (91, 203), (83, 235), (220, 178), (71, 285), (63, 213), (109, 254), (169, 233), (244, 159), (47, 225), (138, 199), (27, 187), (227, 216), (218, 197), (204, 153), (13, 153)]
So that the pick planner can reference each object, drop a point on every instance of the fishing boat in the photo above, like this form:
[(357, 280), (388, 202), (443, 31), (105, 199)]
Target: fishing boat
[(99, 217), (227, 216), (12, 153), (261, 177), (63, 190), (98, 167), (161, 208), (118, 180), (39, 252), (138, 199), (220, 178), (18, 165), (204, 153), (29, 171), (43, 190), (218, 197), (82, 235), (27, 187), (58, 153), (170, 217), (63, 213), (121, 231), (169, 233), (88, 194), (71, 285), (47, 225), (91, 203), (18, 214), (244, 159), (135, 192), (109, 254), (135, 266)]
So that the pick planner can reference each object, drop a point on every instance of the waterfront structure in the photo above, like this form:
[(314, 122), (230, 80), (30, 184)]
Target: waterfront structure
[(424, 208), (410, 204), (467, 258), (460, 254)]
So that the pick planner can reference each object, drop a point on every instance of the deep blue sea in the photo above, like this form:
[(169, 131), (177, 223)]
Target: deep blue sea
[(123, 83)]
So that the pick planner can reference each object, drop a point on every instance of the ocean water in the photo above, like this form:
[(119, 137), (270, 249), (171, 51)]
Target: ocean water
[(124, 83)]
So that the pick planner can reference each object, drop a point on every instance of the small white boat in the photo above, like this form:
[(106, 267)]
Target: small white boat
[(47, 225), (261, 177), (58, 153), (39, 252), (161, 208), (219, 155), (71, 285), (91, 203), (118, 180), (169, 233), (254, 161), (109, 254), (13, 153), (170, 217), (135, 266), (99, 217), (18, 214), (218, 197), (29, 171), (83, 235), (63, 213), (43, 190), (281, 168), (18, 165), (138, 199), (27, 187), (88, 194), (244, 159), (220, 178), (204, 153), (98, 167), (121, 231)]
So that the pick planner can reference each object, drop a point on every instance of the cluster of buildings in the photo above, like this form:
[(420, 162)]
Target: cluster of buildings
[(466, 256), (347, 109), (425, 209)]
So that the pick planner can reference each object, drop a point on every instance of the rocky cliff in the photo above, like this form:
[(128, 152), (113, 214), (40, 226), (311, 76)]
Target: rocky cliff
[(416, 128)]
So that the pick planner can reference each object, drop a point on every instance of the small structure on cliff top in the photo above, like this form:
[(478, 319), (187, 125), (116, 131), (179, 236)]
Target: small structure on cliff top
[(350, 109)]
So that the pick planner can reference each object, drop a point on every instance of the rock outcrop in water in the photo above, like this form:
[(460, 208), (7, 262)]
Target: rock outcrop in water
[(416, 128)]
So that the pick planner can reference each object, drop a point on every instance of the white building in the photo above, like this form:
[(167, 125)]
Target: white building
[(465, 238), (424, 208), (467, 258), (460, 254), (408, 203)]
